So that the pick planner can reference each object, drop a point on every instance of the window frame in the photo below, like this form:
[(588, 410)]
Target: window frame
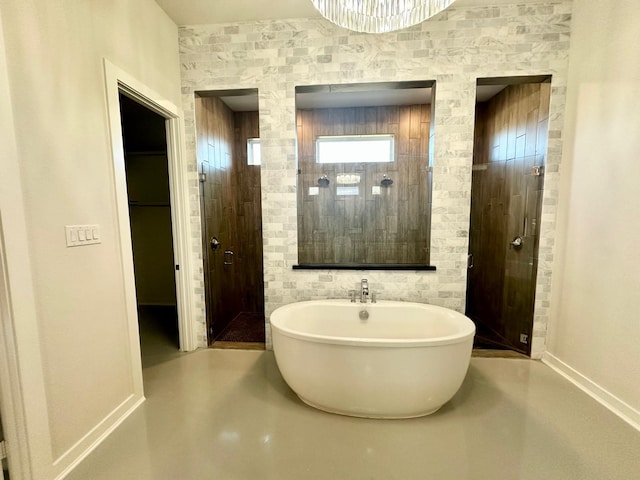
[(251, 143), (354, 139)]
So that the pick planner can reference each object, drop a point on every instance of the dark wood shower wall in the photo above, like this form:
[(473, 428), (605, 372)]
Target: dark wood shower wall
[(510, 139), (392, 227), (249, 214), (231, 212)]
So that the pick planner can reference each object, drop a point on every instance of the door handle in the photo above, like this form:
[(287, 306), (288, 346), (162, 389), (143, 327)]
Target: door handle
[(214, 243), (470, 261), (517, 242), (228, 257)]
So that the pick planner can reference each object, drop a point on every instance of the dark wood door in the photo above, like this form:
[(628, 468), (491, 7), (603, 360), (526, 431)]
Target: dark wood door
[(506, 203), (505, 219), (521, 255)]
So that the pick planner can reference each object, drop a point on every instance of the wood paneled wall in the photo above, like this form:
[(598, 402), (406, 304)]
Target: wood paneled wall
[(248, 215), (506, 200), (390, 228), (231, 212), (513, 124)]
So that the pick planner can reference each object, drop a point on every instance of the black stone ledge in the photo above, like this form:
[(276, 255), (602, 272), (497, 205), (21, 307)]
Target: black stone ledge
[(373, 266)]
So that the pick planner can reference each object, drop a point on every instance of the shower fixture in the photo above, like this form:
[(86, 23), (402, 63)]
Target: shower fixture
[(323, 181)]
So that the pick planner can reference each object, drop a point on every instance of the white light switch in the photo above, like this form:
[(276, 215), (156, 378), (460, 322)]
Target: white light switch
[(78, 235)]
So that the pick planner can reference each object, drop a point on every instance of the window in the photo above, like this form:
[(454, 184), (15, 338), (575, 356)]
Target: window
[(354, 149), (253, 151)]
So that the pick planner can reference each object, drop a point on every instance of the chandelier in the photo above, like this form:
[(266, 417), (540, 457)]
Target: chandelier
[(379, 16)]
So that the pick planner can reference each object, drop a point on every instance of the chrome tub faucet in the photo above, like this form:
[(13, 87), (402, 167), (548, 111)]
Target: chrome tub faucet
[(364, 290)]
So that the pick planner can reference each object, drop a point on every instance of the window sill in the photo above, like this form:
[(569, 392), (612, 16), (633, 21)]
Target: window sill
[(373, 266)]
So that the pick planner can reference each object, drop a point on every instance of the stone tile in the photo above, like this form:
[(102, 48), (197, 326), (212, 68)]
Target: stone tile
[(454, 48)]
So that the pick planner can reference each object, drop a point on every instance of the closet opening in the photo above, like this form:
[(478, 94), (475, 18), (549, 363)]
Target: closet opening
[(149, 199)]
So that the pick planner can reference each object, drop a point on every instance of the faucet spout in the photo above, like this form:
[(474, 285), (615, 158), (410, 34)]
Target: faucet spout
[(364, 290)]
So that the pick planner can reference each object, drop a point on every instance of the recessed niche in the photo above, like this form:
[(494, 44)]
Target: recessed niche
[(379, 134), (229, 167)]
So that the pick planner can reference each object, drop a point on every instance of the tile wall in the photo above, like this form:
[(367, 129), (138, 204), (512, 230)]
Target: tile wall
[(454, 49)]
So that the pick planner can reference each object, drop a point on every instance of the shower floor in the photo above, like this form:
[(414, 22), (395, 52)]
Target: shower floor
[(487, 339), (245, 328)]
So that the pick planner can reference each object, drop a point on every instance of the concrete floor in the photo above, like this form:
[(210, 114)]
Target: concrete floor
[(227, 414)]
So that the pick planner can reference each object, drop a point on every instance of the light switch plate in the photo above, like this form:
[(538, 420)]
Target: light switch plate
[(79, 235)]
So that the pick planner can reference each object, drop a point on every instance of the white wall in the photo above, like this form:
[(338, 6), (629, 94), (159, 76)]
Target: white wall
[(595, 322), (55, 51), (20, 361)]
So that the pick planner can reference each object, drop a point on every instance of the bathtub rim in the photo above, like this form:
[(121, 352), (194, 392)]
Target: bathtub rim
[(367, 342)]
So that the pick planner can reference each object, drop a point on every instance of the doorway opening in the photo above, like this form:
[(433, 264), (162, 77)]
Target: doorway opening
[(228, 146), (510, 146), (149, 200), (4, 462)]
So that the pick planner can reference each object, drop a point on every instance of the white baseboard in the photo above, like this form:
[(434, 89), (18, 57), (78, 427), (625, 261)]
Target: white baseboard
[(96, 436), (622, 409)]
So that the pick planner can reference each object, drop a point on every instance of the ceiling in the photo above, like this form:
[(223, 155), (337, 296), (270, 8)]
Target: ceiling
[(194, 12), (245, 101), (372, 98)]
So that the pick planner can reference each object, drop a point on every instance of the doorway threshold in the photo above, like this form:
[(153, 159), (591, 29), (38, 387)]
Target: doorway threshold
[(484, 353), (238, 345)]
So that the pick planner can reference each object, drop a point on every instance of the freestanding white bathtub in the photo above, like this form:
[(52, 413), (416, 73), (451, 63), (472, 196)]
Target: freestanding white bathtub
[(405, 360)]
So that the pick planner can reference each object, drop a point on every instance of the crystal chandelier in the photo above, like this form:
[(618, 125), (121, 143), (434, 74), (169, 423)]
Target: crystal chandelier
[(379, 16)]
